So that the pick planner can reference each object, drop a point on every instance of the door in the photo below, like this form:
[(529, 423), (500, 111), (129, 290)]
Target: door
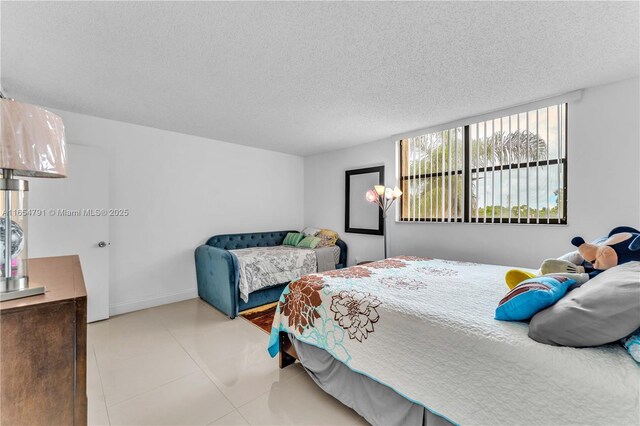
[(68, 217)]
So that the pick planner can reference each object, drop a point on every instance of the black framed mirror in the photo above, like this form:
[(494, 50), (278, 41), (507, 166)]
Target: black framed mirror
[(362, 217)]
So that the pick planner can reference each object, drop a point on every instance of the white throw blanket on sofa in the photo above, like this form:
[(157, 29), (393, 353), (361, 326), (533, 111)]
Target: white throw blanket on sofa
[(262, 267)]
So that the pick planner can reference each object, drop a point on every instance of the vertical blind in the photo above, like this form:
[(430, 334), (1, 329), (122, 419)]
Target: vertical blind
[(509, 169), (432, 176)]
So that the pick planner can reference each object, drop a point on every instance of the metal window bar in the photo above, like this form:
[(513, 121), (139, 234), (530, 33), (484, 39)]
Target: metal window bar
[(434, 168), (442, 139), (437, 183), (546, 138), (484, 142), (405, 177), (407, 143), (414, 204), (417, 173), (493, 175), (556, 114), (410, 186), (466, 165), (501, 161), (408, 166), (455, 177), (418, 183), (477, 173), (455, 200), (431, 179), (462, 207), (537, 168), (401, 167), (564, 168), (487, 161), (438, 170), (445, 160), (443, 179), (518, 169), (558, 153), (425, 180), (426, 193), (527, 154), (443, 174), (510, 161), (413, 180), (449, 176)]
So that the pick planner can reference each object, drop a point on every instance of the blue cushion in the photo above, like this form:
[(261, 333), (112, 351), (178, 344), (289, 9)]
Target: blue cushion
[(531, 296), (632, 343)]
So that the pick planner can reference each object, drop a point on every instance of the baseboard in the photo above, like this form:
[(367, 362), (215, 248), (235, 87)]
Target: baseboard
[(163, 299)]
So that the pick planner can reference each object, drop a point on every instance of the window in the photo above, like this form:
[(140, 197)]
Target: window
[(510, 169)]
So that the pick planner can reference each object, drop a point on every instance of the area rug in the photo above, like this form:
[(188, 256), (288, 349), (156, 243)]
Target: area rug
[(261, 316)]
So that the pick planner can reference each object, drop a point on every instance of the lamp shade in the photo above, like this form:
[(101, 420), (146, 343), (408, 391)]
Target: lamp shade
[(397, 193), (371, 196), (31, 140)]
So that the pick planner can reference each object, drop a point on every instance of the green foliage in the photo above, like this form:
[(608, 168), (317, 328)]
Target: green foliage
[(444, 151), (503, 148)]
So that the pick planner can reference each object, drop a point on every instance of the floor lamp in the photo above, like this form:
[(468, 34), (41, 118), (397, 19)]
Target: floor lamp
[(384, 198)]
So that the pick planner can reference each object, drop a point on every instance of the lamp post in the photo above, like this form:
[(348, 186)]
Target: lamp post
[(384, 198)]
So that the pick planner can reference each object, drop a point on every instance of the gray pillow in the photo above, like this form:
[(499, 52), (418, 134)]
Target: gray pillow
[(603, 310)]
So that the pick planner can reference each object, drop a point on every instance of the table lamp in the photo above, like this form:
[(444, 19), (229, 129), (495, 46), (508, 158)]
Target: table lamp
[(31, 144)]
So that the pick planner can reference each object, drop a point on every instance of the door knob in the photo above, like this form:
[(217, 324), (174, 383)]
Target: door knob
[(102, 244)]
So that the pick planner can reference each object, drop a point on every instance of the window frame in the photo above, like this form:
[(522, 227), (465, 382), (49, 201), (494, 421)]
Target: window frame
[(467, 171)]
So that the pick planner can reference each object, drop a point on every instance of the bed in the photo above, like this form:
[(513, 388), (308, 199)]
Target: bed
[(424, 330), (224, 260)]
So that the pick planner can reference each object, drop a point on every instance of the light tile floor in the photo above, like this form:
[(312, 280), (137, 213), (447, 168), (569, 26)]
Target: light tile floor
[(187, 364)]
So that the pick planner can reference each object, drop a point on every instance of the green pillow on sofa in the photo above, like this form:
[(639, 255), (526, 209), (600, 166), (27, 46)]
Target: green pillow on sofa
[(292, 239), (309, 242)]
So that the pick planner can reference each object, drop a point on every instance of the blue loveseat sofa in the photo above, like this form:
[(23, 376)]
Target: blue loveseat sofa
[(217, 270)]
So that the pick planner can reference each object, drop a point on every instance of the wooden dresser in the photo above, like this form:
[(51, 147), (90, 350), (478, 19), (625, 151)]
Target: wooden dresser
[(43, 348)]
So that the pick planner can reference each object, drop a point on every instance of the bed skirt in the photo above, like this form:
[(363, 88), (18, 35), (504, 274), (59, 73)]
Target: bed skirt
[(377, 403)]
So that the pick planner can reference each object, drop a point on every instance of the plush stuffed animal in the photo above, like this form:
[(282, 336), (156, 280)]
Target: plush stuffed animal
[(622, 245), (571, 264)]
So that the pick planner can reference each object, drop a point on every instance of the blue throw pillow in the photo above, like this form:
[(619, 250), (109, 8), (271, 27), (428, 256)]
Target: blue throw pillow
[(632, 343), (531, 296)]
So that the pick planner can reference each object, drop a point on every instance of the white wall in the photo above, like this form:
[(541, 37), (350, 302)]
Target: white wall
[(181, 190), (603, 191)]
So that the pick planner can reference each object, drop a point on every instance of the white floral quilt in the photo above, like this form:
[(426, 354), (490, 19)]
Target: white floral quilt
[(262, 267), (426, 328)]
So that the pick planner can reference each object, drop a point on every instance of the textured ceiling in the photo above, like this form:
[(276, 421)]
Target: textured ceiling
[(305, 77)]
